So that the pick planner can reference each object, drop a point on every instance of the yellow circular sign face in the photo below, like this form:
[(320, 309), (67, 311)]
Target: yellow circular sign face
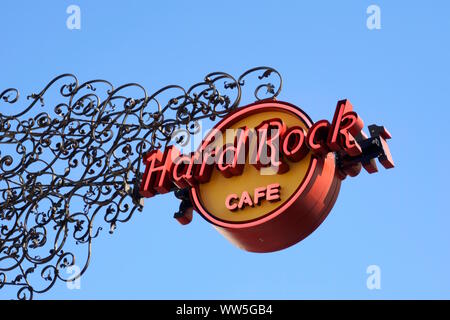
[(213, 194)]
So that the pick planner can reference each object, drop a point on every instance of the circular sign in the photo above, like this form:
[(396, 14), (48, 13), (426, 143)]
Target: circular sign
[(264, 208)]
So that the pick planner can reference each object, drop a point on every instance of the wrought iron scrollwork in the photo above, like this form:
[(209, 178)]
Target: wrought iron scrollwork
[(62, 167)]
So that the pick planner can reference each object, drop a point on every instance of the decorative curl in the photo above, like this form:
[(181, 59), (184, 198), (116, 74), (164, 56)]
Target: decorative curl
[(60, 168)]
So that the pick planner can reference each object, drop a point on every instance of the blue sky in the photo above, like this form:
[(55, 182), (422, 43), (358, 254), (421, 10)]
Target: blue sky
[(398, 76)]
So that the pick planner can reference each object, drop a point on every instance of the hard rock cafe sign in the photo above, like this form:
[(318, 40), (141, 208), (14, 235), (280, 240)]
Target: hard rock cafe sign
[(267, 176)]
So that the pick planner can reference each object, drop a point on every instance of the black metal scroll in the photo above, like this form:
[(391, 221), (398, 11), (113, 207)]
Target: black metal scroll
[(64, 163)]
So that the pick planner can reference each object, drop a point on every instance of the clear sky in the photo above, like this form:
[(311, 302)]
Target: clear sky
[(398, 76)]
